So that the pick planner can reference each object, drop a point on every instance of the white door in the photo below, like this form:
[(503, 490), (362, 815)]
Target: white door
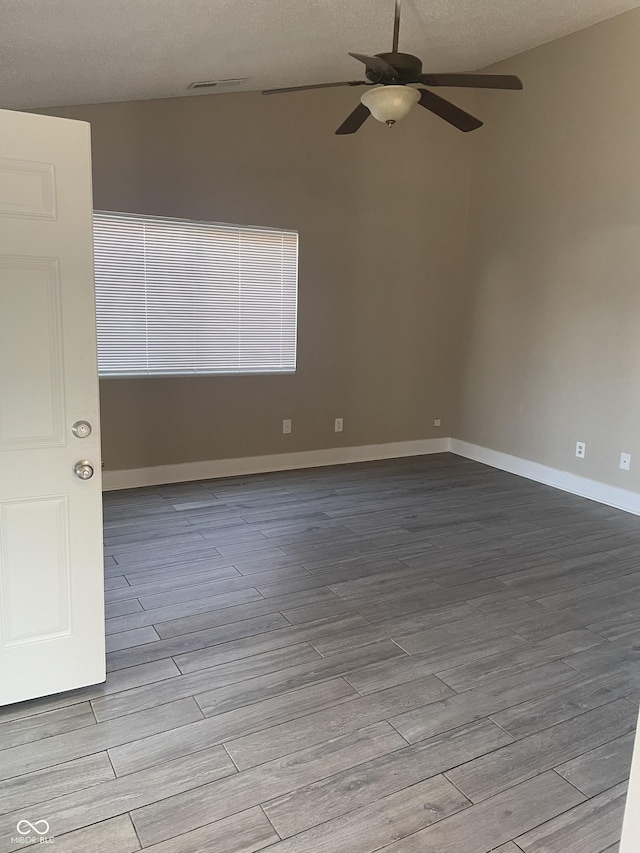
[(51, 590), (631, 828)]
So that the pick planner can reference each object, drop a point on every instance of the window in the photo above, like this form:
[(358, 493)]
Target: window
[(176, 297)]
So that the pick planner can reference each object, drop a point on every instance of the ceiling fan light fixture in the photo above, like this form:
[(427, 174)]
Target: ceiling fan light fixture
[(390, 104)]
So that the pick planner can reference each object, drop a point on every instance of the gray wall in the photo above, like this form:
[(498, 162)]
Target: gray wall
[(381, 218), (552, 330), (522, 334)]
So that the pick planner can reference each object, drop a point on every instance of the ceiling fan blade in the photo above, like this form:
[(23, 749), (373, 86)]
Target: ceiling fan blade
[(315, 86), (448, 111), (472, 81), (375, 63), (354, 120)]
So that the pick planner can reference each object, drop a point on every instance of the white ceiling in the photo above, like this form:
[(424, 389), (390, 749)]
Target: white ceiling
[(55, 52)]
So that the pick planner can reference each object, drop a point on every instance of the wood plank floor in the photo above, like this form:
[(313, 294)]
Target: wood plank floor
[(411, 655)]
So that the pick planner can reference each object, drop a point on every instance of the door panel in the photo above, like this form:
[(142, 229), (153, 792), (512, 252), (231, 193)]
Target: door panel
[(32, 528), (51, 576), (31, 406), (27, 189)]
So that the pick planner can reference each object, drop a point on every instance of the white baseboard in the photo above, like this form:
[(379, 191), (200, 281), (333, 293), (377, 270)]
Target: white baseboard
[(574, 483), (214, 468)]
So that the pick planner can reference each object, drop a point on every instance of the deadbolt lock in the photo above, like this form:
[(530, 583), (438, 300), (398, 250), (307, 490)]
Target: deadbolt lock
[(81, 429)]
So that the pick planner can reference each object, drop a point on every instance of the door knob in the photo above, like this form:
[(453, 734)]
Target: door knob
[(83, 469)]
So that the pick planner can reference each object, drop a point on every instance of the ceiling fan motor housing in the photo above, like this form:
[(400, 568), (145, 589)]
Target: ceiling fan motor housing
[(407, 67)]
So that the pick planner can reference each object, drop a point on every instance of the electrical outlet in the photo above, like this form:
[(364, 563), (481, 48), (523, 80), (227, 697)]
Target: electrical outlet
[(286, 426), (437, 422), (581, 449), (339, 424), (625, 461)]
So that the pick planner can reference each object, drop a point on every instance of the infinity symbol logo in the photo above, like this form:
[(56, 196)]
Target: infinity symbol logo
[(24, 827)]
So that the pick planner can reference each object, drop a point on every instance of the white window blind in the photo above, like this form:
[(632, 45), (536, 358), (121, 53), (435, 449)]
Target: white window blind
[(179, 297)]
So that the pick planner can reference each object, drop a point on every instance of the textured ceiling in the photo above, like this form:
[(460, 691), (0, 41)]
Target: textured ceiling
[(55, 52)]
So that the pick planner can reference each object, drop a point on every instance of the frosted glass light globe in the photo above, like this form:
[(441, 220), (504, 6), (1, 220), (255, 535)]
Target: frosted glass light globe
[(390, 103)]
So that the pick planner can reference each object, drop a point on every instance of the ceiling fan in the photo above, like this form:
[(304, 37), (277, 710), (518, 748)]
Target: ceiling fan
[(393, 96)]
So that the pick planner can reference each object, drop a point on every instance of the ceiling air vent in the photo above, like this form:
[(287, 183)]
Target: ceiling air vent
[(213, 84)]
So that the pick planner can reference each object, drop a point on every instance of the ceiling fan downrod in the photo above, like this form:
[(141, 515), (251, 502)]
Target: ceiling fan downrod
[(396, 27)]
